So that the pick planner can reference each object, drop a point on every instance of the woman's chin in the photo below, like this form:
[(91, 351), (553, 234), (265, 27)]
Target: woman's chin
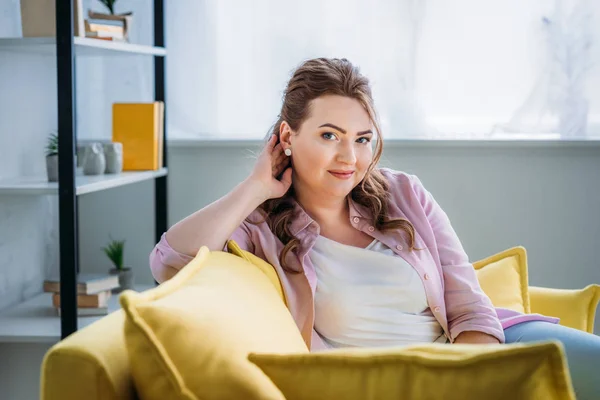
[(339, 191)]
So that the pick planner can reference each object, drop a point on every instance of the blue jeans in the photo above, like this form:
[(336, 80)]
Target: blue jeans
[(582, 350)]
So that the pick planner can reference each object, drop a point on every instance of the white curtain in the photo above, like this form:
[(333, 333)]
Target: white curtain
[(229, 61), (437, 67)]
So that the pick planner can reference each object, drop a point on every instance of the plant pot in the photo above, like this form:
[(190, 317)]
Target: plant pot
[(125, 279), (52, 168)]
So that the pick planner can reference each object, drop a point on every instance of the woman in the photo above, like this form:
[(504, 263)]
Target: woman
[(365, 255)]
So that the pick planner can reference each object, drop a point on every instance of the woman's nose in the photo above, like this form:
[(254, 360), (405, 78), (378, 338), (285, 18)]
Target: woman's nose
[(346, 154)]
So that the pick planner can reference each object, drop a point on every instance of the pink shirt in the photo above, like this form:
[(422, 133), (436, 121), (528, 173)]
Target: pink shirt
[(451, 286)]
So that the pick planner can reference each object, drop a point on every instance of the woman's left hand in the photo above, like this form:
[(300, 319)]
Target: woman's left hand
[(475, 337)]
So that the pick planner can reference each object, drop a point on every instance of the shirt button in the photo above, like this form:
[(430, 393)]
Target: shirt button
[(355, 219), (426, 276), (436, 309), (371, 229), (399, 247)]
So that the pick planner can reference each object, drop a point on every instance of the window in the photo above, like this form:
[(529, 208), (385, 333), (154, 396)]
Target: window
[(438, 67)]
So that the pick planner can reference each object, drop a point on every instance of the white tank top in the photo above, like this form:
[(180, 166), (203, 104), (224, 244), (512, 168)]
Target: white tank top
[(369, 297)]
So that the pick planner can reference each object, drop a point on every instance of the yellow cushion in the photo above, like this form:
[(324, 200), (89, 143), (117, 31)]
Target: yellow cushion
[(503, 278), (431, 371), (576, 308), (261, 264), (189, 338)]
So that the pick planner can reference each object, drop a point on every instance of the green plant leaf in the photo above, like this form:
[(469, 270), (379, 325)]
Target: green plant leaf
[(52, 145), (114, 252), (110, 4)]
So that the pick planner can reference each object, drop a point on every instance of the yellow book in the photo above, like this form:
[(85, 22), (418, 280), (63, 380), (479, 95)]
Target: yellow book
[(161, 126), (136, 126)]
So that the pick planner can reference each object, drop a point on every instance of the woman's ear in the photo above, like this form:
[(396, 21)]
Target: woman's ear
[(285, 134)]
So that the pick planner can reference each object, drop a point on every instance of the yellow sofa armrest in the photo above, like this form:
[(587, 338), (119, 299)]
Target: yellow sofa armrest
[(90, 364), (576, 308)]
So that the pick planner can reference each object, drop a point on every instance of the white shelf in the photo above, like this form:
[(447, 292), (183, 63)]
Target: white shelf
[(82, 47), (85, 183), (37, 321)]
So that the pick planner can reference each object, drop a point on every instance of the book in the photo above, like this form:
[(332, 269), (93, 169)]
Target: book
[(136, 126), (38, 18), (88, 312), (161, 130), (110, 39), (104, 31), (104, 35), (122, 20), (96, 300), (103, 27), (86, 283)]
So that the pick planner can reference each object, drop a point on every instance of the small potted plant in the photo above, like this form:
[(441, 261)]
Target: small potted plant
[(52, 158), (114, 251)]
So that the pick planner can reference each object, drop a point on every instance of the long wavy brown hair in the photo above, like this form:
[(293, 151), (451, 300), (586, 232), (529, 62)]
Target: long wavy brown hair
[(312, 79)]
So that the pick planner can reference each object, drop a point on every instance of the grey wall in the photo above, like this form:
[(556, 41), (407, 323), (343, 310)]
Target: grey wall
[(545, 197), (20, 370)]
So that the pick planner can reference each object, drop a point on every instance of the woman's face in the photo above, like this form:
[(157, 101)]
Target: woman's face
[(332, 150)]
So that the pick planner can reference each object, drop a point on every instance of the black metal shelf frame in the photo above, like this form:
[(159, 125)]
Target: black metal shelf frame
[(67, 133)]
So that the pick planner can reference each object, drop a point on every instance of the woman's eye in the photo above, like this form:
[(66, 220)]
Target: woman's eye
[(364, 140), (328, 135)]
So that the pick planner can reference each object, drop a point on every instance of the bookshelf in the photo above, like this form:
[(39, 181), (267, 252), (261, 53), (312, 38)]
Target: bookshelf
[(35, 319), (81, 47), (38, 186)]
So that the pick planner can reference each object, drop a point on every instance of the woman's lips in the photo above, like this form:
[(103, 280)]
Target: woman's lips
[(341, 174)]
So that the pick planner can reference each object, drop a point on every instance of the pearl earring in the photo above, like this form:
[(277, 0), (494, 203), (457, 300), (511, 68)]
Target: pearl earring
[(288, 152)]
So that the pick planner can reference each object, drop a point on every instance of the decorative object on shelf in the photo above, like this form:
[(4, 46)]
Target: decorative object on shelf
[(94, 162), (38, 18), (114, 251), (80, 149), (52, 158), (113, 153), (111, 26)]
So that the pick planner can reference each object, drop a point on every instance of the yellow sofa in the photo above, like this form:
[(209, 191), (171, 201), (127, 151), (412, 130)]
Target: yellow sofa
[(93, 363)]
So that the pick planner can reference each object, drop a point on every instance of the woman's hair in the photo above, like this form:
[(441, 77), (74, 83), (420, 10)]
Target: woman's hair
[(312, 79)]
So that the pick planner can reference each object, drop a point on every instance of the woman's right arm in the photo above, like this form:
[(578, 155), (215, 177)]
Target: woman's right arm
[(214, 224)]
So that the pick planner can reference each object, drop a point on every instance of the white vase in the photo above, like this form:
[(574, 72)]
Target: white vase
[(113, 153), (94, 162)]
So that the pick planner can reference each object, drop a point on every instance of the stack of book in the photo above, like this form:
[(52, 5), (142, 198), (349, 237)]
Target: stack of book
[(93, 293), (107, 26), (140, 129), (104, 31)]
